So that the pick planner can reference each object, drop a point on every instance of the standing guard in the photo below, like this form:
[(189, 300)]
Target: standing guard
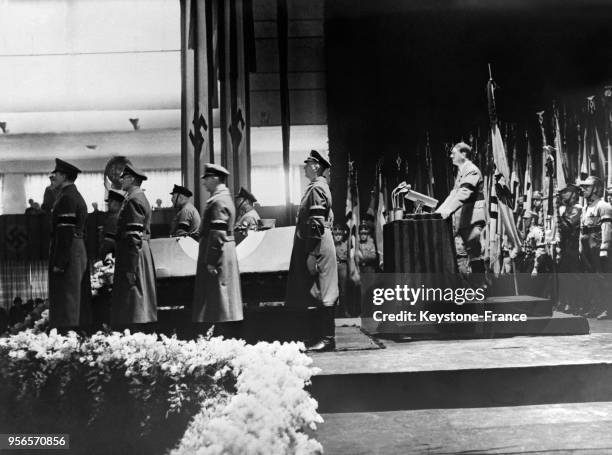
[(368, 259), (187, 220), (595, 242), (247, 217), (69, 283), (313, 272), (537, 207), (217, 296), (134, 298), (568, 225), (339, 233), (466, 204)]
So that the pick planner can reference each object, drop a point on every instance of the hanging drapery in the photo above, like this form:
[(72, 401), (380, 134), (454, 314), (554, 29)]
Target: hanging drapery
[(216, 45), (1, 193), (25, 279), (197, 78), (233, 76)]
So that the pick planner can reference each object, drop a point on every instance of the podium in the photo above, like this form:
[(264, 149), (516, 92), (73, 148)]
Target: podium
[(420, 243)]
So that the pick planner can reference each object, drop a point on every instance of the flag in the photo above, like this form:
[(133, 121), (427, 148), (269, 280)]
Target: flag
[(381, 212), (527, 188), (582, 151), (502, 173), (609, 161), (377, 212), (544, 179), (560, 171), (551, 220), (592, 145), (608, 105), (514, 180), (352, 223), (428, 162), (491, 228)]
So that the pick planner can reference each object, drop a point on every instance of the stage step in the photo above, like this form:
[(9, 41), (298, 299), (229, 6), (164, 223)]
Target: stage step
[(465, 374)]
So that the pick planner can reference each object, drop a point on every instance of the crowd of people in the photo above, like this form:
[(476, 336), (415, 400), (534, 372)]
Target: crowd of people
[(22, 315), (349, 302), (564, 247), (319, 272), (217, 296), (573, 248)]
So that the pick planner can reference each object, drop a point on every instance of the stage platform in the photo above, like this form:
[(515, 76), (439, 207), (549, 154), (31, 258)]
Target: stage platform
[(496, 396), (465, 373)]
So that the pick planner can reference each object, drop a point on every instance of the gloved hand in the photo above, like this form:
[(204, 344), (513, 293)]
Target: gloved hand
[(311, 264), (131, 278)]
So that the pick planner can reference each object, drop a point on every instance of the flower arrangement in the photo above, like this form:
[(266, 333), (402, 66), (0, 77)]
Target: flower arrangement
[(102, 275), (147, 393), (269, 411)]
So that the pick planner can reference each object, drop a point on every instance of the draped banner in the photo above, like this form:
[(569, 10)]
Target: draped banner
[(27, 237), (25, 279), (527, 187), (593, 150), (377, 212), (197, 78), (24, 237), (216, 46), (560, 158), (352, 222), (233, 103)]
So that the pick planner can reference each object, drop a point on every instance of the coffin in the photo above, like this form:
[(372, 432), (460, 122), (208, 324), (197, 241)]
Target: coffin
[(174, 257), (266, 251), (263, 260)]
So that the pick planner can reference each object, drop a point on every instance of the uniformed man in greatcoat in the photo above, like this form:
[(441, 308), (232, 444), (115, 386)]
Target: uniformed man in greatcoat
[(465, 204), (134, 300), (247, 217), (69, 283), (217, 297), (595, 244), (313, 272), (187, 220), (114, 200)]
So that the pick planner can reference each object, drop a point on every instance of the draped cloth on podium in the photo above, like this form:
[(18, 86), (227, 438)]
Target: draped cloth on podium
[(419, 244)]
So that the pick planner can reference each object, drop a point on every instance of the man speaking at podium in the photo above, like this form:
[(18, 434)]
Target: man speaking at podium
[(466, 204)]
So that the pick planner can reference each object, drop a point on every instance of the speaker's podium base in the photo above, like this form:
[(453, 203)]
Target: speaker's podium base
[(421, 248), (419, 244)]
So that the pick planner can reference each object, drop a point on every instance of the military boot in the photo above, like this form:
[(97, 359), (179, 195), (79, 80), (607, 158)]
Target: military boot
[(326, 328)]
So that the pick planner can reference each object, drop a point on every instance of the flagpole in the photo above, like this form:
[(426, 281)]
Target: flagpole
[(516, 288)]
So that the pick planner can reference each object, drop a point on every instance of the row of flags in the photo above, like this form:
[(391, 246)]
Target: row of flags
[(508, 186)]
